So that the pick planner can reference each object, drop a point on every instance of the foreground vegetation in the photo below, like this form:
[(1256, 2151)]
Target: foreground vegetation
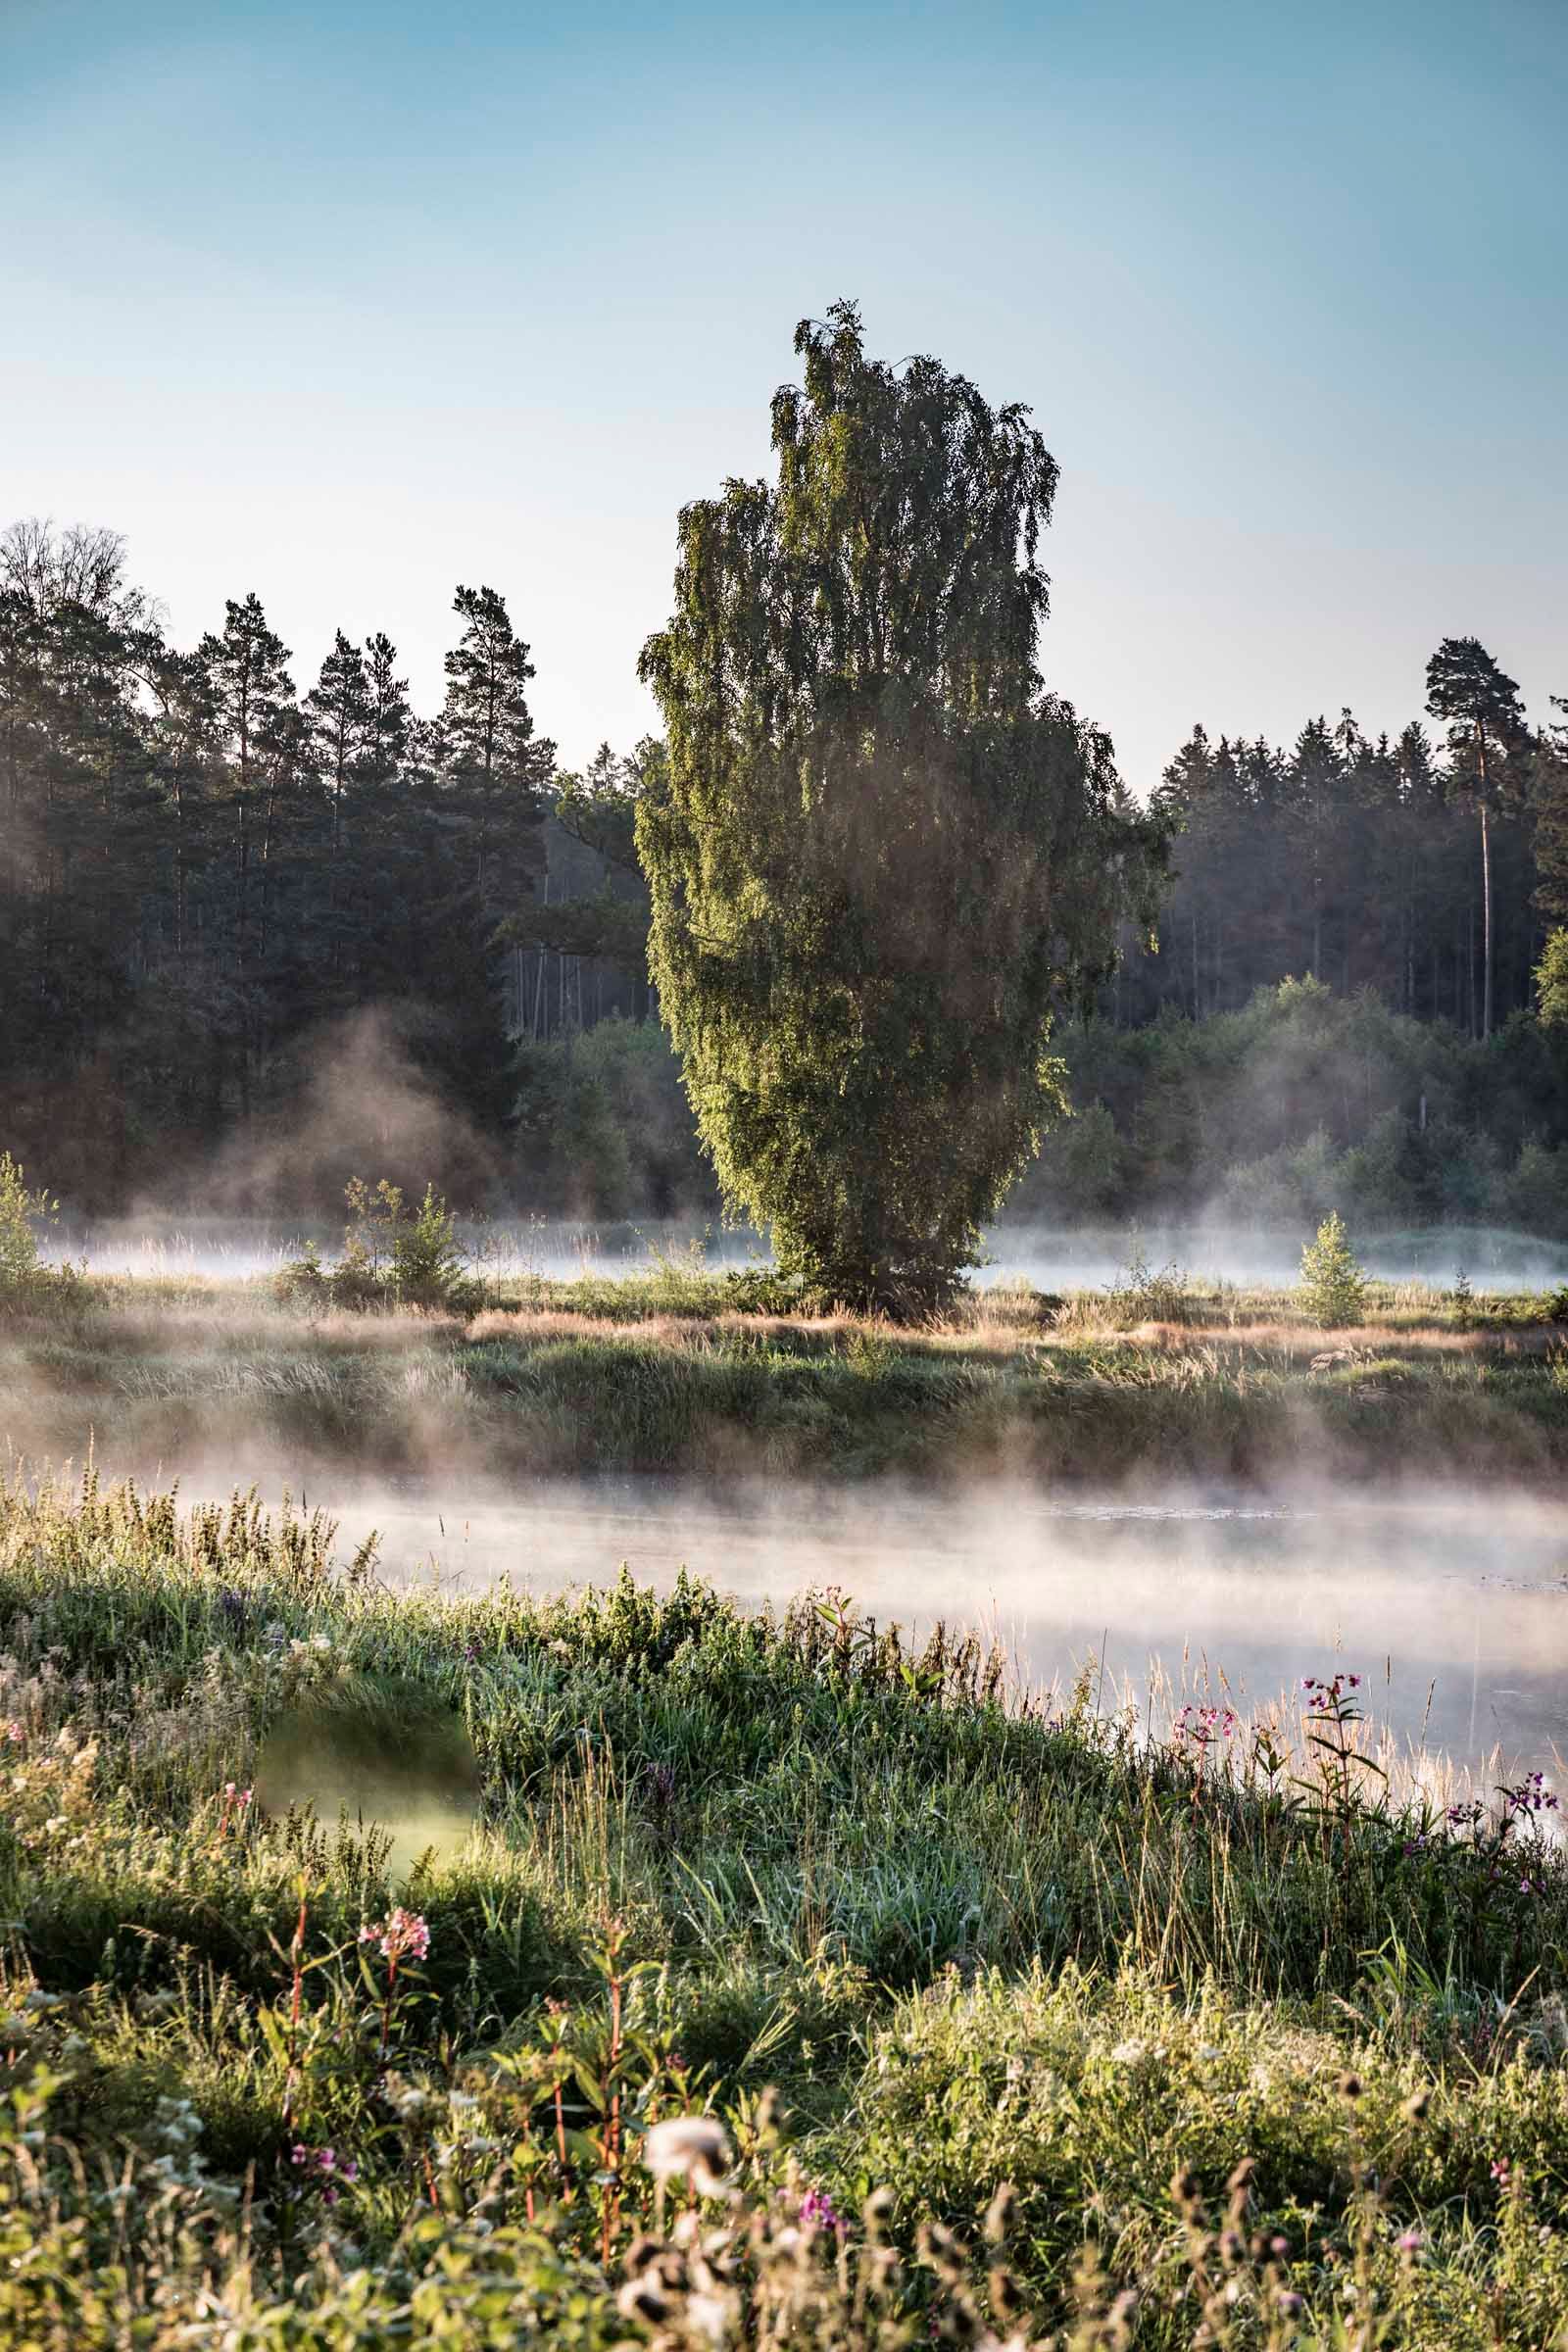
[(682, 1370), (1001, 2016)]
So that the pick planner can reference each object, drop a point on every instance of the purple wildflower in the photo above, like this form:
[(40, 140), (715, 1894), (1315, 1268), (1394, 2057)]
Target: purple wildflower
[(818, 2211)]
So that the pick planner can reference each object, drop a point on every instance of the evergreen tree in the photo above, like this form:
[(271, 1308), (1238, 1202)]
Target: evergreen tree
[(252, 695), (1486, 720), (500, 771), (1550, 804), (340, 714)]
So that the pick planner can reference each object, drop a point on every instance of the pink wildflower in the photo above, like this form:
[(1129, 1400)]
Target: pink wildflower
[(401, 1935)]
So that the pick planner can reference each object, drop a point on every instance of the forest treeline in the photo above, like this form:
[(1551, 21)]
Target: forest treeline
[(1359, 862), (213, 867), (205, 872)]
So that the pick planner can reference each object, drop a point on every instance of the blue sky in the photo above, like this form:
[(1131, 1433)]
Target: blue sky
[(349, 303)]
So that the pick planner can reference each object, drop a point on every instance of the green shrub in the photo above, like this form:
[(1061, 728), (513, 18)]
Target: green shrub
[(1333, 1285), (24, 1278), (392, 1257), (1146, 1293)]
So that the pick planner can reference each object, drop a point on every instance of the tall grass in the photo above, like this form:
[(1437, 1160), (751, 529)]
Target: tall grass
[(963, 1933), (1240, 1392)]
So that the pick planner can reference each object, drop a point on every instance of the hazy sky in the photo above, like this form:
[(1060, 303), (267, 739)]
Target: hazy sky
[(348, 303)]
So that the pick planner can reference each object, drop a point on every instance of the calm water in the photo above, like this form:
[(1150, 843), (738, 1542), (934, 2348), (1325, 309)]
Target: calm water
[(1088, 1258), (1457, 1616)]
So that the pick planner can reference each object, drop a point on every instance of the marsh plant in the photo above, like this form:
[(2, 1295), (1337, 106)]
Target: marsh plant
[(1141, 1292)]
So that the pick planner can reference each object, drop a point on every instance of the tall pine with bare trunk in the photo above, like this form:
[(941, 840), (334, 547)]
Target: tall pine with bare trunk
[(1485, 721)]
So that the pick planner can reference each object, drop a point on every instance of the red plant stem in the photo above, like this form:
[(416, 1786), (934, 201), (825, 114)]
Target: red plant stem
[(611, 2212), (297, 1957), (386, 2005)]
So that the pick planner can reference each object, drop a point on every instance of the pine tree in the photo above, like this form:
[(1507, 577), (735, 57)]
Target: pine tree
[(1485, 719), (252, 693), (1549, 796), (498, 768), (339, 712)]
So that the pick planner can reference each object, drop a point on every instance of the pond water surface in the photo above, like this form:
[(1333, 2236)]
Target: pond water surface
[(1455, 1613)]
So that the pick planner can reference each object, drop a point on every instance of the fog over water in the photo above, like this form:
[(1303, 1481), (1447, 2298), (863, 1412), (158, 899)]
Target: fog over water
[(1454, 1610), (1051, 1257), (1456, 1615)]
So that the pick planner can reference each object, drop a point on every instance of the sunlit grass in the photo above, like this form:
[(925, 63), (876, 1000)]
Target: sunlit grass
[(661, 1372), (969, 1933)]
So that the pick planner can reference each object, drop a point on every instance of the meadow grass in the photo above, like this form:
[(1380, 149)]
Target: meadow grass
[(660, 1373), (1257, 2052)]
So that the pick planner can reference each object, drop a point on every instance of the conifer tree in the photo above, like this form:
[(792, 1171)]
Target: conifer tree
[(500, 768), (1485, 719), (1548, 795), (252, 694)]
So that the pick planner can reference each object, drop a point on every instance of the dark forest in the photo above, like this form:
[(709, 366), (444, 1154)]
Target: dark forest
[(216, 878)]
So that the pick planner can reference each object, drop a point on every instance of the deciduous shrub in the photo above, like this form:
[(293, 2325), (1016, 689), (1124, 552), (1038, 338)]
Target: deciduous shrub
[(392, 1257), (25, 1277)]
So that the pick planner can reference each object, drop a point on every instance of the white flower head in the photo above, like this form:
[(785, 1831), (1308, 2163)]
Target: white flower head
[(710, 2314), (690, 2145)]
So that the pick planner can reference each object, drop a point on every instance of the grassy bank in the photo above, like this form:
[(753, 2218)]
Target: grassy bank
[(1243, 2037), (662, 1373)]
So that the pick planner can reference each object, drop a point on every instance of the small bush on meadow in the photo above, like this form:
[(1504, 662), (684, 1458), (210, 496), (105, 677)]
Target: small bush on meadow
[(1146, 1293), (24, 1278), (1333, 1285), (393, 1256)]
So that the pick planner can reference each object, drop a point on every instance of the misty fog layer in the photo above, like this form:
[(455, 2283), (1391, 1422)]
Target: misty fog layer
[(1455, 1615), (1051, 1257)]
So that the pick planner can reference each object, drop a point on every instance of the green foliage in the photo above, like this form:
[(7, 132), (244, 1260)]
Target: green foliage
[(24, 1278), (1333, 1285), (393, 1256), (1548, 800), (1305, 1101), (1551, 980), (602, 1128), (19, 1242), (500, 769), (1132, 1979), (880, 855), (1146, 1293), (1479, 701)]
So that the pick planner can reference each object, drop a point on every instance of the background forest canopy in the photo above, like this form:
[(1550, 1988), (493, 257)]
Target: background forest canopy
[(256, 940)]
